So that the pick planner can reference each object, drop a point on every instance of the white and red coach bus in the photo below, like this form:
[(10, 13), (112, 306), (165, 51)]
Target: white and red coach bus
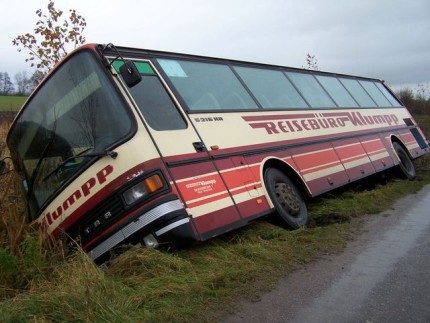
[(122, 145)]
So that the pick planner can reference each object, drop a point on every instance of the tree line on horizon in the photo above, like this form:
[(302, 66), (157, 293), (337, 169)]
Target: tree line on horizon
[(23, 83)]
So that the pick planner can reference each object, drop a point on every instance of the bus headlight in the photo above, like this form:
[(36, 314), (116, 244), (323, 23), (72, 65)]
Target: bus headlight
[(145, 187)]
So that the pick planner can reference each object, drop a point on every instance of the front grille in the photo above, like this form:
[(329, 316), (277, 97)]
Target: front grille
[(110, 211), (97, 220)]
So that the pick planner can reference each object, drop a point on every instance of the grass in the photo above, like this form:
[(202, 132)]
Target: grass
[(11, 102), (192, 285)]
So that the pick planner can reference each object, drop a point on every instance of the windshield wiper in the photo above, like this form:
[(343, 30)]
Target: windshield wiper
[(82, 154)]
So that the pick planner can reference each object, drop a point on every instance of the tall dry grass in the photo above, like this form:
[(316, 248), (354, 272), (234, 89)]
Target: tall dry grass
[(21, 254), (25, 256), (12, 222)]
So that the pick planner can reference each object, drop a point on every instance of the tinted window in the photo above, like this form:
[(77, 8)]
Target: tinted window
[(388, 95), (271, 88), (357, 91), (376, 95), (152, 99), (313, 93), (205, 86), (156, 105), (337, 91)]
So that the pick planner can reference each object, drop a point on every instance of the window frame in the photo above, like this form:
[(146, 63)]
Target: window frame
[(167, 88)]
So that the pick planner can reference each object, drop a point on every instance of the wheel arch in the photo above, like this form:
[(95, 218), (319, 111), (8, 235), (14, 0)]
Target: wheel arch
[(404, 158), (288, 170), (394, 138)]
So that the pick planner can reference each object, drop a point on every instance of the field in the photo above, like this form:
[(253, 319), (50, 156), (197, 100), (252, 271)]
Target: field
[(40, 282), (11, 103)]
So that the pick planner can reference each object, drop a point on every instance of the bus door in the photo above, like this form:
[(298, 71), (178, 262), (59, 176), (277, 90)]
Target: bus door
[(236, 170), (194, 173)]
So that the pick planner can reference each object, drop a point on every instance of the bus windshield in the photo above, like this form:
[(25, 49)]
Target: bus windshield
[(74, 116)]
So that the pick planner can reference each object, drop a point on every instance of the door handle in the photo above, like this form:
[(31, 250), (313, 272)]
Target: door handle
[(199, 146)]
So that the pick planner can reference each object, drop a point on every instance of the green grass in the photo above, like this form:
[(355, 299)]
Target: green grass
[(11, 103), (192, 285)]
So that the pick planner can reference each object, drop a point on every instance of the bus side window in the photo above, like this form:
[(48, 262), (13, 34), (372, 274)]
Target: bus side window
[(207, 86), (156, 105), (311, 90), (271, 88)]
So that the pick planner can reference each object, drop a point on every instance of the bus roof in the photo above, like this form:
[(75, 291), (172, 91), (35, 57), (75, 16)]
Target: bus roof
[(148, 53)]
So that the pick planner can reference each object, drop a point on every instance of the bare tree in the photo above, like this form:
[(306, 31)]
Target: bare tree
[(422, 92), (311, 63), (22, 81), (422, 96), (52, 38), (6, 85)]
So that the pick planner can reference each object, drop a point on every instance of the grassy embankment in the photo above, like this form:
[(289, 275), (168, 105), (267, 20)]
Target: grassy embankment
[(38, 284), (11, 103)]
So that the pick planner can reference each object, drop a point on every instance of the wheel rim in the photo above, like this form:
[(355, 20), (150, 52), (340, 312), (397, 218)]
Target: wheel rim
[(288, 198)]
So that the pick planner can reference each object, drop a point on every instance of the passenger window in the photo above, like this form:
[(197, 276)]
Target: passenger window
[(376, 95), (206, 86), (337, 91), (313, 93), (388, 95), (357, 91), (271, 88)]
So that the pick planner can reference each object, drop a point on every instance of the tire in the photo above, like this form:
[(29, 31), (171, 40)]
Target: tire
[(287, 199), (406, 166)]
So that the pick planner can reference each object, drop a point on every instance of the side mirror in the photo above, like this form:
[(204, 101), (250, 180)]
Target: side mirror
[(130, 74)]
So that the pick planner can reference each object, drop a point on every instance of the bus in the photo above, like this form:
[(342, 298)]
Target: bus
[(124, 145)]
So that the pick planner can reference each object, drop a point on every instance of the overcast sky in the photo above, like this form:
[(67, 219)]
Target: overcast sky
[(386, 39)]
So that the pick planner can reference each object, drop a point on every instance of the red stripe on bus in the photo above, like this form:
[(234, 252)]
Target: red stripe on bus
[(374, 145), (315, 161), (216, 220), (350, 150)]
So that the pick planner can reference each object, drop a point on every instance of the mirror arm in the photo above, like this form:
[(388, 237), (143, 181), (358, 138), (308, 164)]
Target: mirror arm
[(128, 71), (111, 47)]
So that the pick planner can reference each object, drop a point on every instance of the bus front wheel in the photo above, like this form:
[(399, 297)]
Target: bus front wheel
[(406, 165), (287, 199)]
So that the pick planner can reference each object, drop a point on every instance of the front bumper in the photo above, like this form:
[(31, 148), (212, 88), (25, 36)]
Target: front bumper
[(167, 222)]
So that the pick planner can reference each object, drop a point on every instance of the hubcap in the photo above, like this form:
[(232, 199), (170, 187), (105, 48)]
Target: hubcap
[(288, 198)]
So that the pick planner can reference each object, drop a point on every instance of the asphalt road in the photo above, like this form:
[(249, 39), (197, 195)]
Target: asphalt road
[(382, 276)]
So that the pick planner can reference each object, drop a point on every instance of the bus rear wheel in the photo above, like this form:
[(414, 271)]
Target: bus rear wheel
[(406, 166), (287, 199)]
